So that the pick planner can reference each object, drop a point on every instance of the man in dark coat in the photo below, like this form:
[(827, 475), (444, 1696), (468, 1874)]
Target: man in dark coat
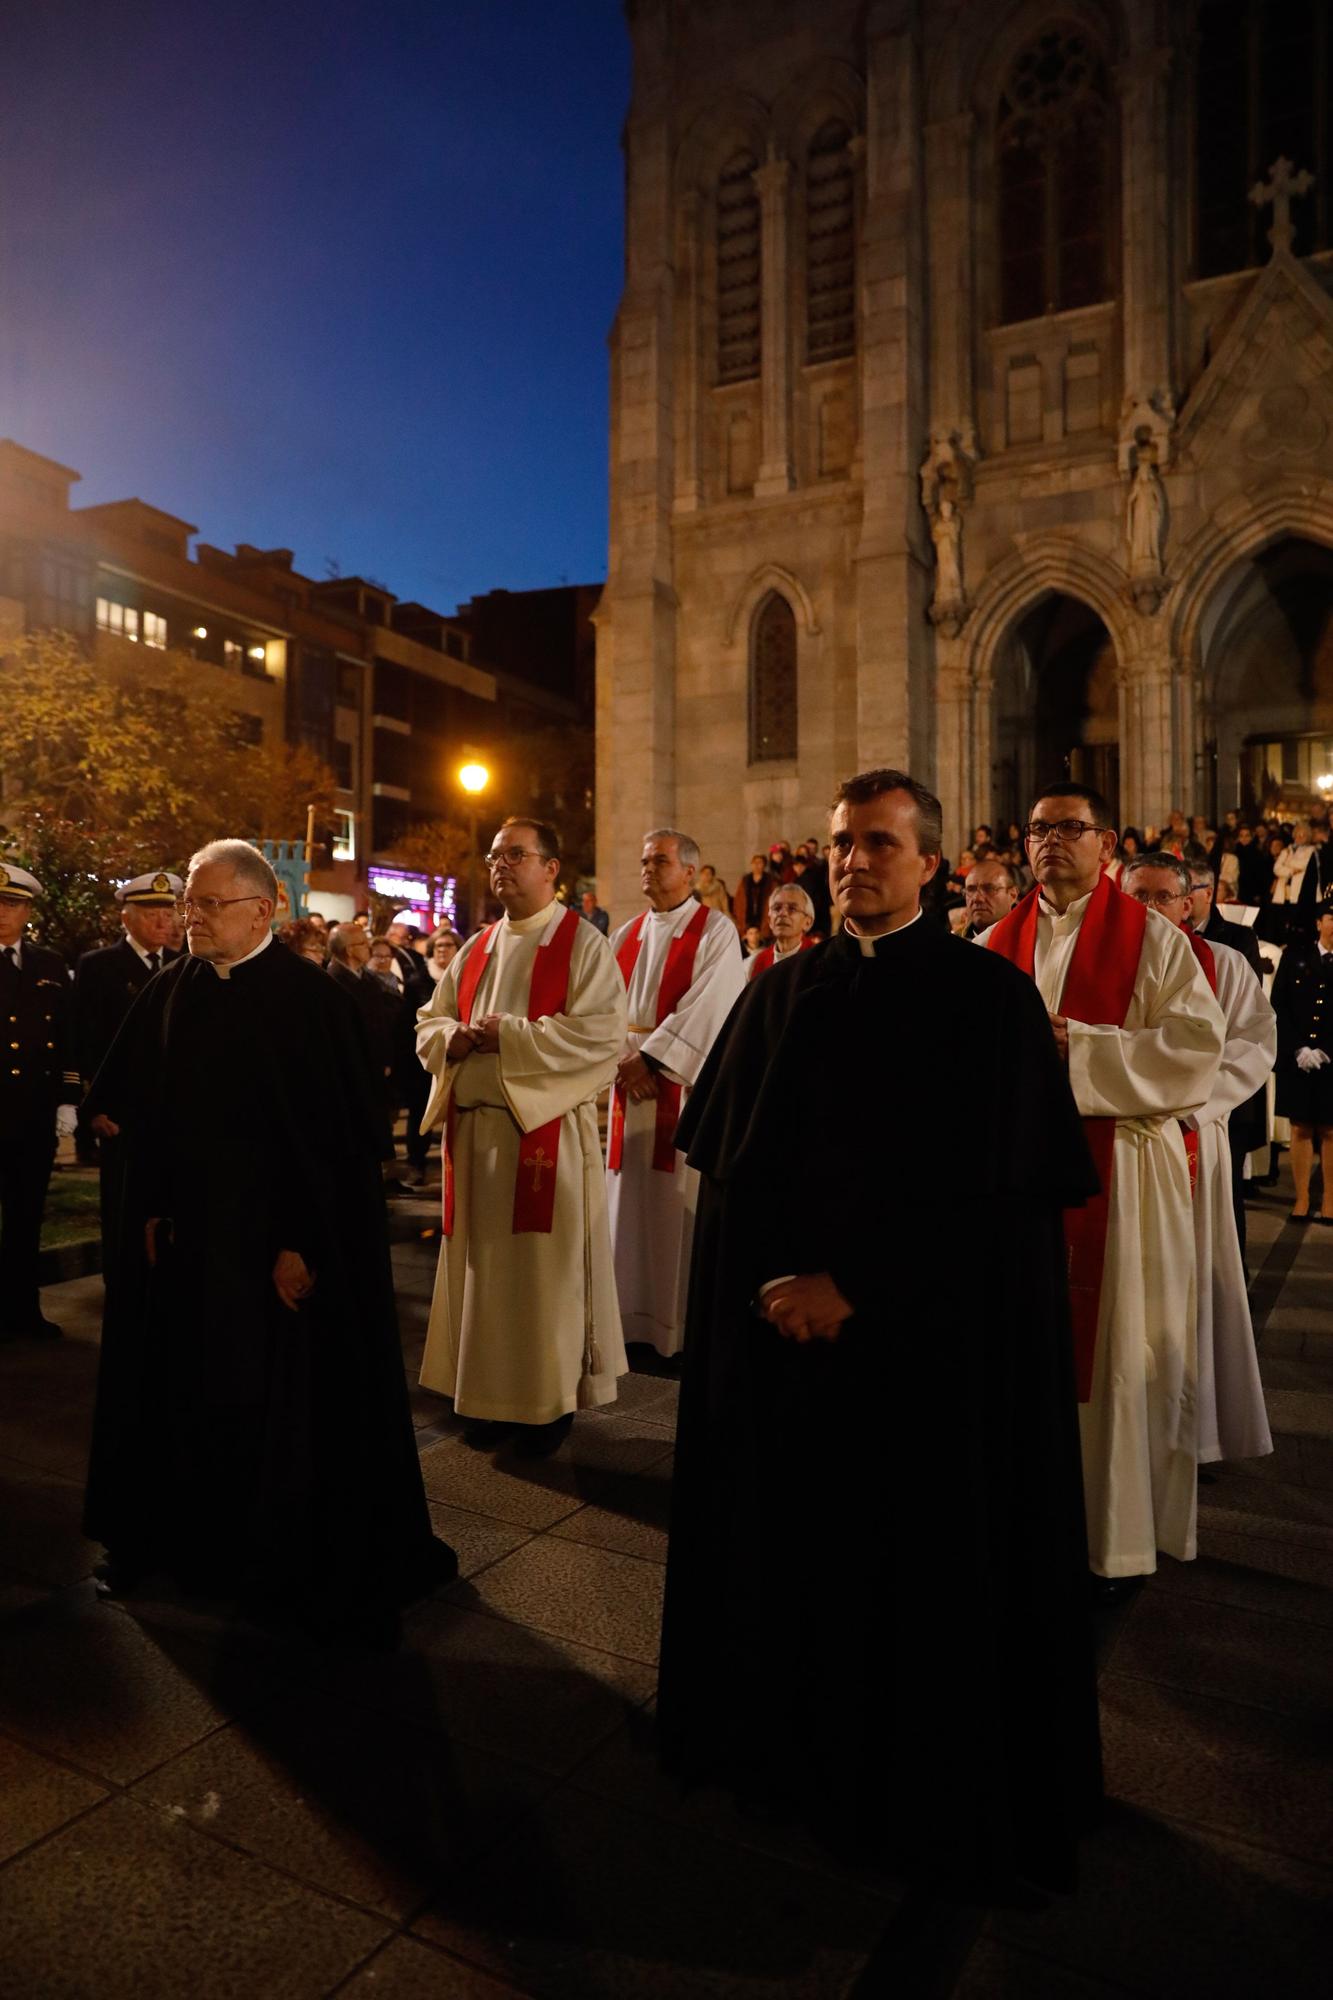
[(1247, 1127), (877, 1609), (1303, 1003), (107, 982), (38, 1091), (252, 1432)]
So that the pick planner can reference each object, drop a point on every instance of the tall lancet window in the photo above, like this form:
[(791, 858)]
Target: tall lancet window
[(830, 245), (1263, 91), (773, 681), (738, 270), (1055, 178)]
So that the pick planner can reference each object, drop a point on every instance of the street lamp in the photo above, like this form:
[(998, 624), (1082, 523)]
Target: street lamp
[(474, 778)]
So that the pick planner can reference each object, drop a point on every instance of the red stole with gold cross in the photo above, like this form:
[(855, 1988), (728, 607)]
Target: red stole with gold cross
[(538, 1152), (1098, 988), (675, 984)]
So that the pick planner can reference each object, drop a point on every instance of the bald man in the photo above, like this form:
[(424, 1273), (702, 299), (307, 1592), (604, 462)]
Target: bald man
[(990, 891)]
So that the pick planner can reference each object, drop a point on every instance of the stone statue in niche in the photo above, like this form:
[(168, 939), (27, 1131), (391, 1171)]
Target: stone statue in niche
[(946, 485), (1145, 530)]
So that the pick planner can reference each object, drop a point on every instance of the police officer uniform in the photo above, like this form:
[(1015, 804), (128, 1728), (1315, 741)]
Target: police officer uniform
[(37, 1075), (107, 982)]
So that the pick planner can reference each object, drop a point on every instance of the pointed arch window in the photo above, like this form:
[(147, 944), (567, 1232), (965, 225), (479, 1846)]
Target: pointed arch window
[(773, 681), (1055, 178), (830, 245), (738, 270), (1263, 91)]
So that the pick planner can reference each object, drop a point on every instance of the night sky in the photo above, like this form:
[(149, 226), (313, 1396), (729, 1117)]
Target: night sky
[(330, 275)]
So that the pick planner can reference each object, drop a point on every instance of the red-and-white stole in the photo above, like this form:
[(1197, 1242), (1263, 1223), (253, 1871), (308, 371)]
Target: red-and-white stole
[(1098, 988), (675, 984), (1203, 951), (539, 1151)]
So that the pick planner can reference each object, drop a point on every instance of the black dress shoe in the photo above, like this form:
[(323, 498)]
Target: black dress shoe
[(1302, 1219), (541, 1440), (482, 1434), (1114, 1589)]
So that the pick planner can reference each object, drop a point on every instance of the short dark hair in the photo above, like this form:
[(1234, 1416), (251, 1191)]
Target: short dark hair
[(868, 785), (1160, 859), (548, 840), (1065, 788)]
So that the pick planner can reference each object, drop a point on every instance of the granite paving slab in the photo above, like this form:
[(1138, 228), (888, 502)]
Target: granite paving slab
[(36, 1796), (591, 1595)]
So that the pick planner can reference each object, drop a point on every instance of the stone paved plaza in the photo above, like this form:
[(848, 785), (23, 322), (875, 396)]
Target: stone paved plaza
[(191, 1807)]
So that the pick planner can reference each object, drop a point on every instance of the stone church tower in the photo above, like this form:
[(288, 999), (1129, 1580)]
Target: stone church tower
[(972, 409)]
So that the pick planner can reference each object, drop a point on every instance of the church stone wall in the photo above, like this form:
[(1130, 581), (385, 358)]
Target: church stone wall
[(913, 501)]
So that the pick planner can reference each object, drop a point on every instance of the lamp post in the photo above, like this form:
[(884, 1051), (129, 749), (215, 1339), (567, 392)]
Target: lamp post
[(474, 778)]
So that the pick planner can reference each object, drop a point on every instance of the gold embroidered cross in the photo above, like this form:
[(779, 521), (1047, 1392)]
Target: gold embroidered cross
[(538, 1163)]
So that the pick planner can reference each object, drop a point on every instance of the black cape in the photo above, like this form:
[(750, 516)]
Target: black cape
[(233, 1437), (877, 1606)]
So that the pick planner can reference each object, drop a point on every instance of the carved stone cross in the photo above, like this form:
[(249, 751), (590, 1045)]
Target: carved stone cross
[(1281, 185)]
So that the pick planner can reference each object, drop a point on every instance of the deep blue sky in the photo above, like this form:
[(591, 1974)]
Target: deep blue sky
[(333, 275)]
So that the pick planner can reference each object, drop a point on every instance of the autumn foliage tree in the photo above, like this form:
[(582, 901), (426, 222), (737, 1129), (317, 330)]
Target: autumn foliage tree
[(103, 774)]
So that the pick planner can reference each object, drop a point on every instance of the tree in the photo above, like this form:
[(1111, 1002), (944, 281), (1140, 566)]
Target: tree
[(150, 747), (76, 867)]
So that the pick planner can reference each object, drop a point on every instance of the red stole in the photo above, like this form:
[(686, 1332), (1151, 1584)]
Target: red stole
[(1203, 951), (762, 960), (1098, 988), (548, 993), (676, 976)]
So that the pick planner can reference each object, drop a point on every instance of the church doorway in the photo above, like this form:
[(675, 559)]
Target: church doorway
[(1267, 650), (1057, 706)]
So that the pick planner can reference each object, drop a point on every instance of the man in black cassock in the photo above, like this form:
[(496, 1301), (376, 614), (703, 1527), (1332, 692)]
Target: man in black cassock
[(876, 1605), (252, 1433)]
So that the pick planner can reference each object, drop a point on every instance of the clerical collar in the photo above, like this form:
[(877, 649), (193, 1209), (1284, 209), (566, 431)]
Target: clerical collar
[(870, 944), (1067, 919), (225, 971), (524, 926)]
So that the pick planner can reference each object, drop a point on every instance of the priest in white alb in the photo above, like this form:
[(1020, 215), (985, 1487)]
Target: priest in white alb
[(521, 1035), (1232, 1419), (1142, 1035), (682, 968)]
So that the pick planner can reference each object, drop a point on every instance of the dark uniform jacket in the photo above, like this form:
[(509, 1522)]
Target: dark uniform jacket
[(38, 1071), (106, 984)]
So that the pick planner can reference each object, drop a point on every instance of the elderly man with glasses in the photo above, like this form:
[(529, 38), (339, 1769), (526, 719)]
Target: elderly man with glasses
[(1142, 1036), (252, 1436), (520, 1036)]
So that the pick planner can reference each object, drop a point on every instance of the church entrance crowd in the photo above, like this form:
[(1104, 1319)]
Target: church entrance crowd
[(1113, 1028)]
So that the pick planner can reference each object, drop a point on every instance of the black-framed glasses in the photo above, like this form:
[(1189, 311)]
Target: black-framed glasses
[(513, 855), (208, 906), (1059, 829)]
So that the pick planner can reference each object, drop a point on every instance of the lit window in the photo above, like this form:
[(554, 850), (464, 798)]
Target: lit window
[(154, 629), (343, 845), (113, 616), (1055, 178)]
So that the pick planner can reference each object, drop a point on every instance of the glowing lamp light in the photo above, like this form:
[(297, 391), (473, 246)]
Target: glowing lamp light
[(1325, 782), (474, 777), (256, 652), (201, 631)]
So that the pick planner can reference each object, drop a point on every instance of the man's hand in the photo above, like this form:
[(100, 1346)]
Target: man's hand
[(292, 1280), (809, 1308), (150, 1229), (1060, 1029), (104, 1127), (635, 1078), (461, 1043), (487, 1033)]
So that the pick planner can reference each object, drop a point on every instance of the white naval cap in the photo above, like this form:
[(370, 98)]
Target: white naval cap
[(155, 888), (16, 884)]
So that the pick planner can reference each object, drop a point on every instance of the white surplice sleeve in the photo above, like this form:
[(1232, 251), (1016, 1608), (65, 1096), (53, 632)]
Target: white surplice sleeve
[(437, 1024), (547, 1067), (681, 1043), (1164, 1062), (1251, 1044)]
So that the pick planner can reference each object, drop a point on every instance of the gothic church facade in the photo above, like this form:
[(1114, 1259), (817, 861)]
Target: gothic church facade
[(972, 409)]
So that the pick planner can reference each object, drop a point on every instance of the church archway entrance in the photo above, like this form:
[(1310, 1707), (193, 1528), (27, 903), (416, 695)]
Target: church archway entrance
[(1266, 645), (1057, 706)]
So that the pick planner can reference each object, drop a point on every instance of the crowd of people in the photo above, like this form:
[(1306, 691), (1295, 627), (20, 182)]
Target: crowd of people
[(252, 1432)]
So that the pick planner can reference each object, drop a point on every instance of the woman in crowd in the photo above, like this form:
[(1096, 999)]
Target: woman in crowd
[(441, 950)]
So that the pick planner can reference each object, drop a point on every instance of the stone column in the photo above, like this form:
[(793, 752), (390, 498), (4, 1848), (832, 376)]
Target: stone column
[(948, 156), (1148, 777), (895, 722), (1146, 291), (982, 807), (954, 724), (689, 360), (774, 474)]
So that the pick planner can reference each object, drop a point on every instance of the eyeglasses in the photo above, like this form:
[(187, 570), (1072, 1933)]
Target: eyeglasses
[(1038, 830), (208, 906), (1159, 898), (512, 855)]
